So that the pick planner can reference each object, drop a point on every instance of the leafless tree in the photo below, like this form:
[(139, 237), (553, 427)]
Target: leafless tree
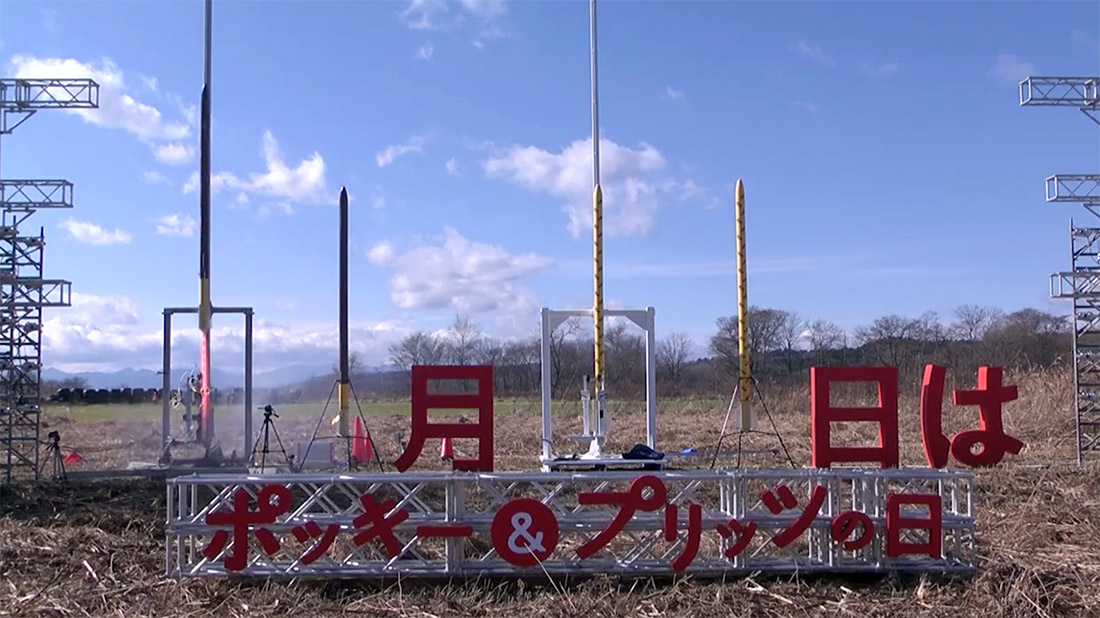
[(464, 340), (791, 328), (973, 322), (825, 335), (355, 364), (673, 355), (765, 328), (418, 348)]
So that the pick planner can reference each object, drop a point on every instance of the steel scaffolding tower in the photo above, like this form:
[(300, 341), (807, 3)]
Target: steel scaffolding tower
[(24, 291), (1081, 284)]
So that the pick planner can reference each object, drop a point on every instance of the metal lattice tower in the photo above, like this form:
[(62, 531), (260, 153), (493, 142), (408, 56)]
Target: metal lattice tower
[(1081, 284), (24, 292)]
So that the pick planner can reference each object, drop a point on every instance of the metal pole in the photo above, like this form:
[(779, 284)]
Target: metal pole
[(544, 377), (166, 384), (247, 453), (595, 98), (206, 413), (345, 363)]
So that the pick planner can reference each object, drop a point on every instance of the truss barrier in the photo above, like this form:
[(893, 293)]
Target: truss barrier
[(523, 524)]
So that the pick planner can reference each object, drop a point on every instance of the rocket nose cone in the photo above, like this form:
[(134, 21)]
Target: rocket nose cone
[(740, 185)]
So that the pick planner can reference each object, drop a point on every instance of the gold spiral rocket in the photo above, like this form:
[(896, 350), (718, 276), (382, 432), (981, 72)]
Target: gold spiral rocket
[(744, 367), (597, 284)]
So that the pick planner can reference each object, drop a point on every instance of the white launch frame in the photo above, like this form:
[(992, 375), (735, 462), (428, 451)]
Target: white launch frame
[(594, 431)]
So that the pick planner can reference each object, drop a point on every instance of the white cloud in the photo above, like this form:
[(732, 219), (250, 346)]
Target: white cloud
[(304, 184), (882, 70), (174, 153), (92, 234), (814, 52), (389, 154), (1008, 69), (150, 83), (634, 182), (154, 178), (118, 109), (460, 274), (176, 226), (102, 333), (439, 15), (452, 167), (381, 254), (805, 106), (425, 51), (673, 94)]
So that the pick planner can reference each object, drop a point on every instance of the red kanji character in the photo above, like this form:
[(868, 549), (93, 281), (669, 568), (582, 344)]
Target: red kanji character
[(629, 502), (822, 414), (895, 523), (378, 524), (817, 499), (422, 401), (744, 535), (311, 530), (989, 397), (694, 530), (845, 524), (274, 500)]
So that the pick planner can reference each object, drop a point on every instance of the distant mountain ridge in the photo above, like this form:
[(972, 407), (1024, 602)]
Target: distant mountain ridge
[(148, 378)]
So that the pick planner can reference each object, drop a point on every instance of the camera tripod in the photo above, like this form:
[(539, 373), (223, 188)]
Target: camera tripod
[(53, 450), (266, 430)]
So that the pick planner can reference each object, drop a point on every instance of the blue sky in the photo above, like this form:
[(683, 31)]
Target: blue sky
[(888, 165)]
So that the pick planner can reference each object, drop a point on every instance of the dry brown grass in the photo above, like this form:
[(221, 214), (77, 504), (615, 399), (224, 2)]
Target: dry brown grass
[(96, 549)]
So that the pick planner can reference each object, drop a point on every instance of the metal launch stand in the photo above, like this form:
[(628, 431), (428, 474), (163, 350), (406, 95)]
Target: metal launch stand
[(596, 422), (208, 440)]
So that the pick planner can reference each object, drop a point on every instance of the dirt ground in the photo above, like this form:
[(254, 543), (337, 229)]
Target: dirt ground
[(83, 548)]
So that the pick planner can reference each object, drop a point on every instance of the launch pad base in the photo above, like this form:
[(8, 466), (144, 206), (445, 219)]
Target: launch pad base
[(607, 462)]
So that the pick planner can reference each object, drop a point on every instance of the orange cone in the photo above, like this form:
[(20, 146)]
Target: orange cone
[(446, 451), (360, 443)]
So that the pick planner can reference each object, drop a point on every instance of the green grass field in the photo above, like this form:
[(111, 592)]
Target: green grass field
[(153, 411)]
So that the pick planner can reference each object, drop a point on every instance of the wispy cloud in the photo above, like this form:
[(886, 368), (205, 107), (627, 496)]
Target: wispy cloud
[(1009, 69), (853, 266), (92, 234), (176, 226), (452, 167), (806, 106), (425, 51), (389, 154), (814, 52), (155, 178), (883, 70), (673, 94)]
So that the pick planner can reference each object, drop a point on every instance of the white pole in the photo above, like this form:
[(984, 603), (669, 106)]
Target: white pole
[(595, 102)]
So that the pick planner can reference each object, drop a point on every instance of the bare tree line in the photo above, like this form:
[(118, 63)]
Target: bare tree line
[(783, 345)]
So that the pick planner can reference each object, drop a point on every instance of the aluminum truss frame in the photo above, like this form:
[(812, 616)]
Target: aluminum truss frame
[(1081, 284), (166, 369), (24, 290), (441, 499)]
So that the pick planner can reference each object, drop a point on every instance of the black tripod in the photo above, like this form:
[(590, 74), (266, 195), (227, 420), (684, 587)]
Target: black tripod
[(265, 435), (53, 450)]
